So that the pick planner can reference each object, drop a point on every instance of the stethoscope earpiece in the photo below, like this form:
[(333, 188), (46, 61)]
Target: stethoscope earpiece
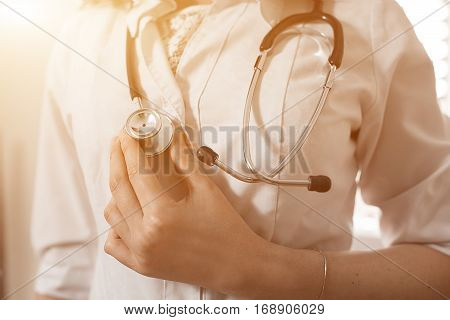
[(319, 184)]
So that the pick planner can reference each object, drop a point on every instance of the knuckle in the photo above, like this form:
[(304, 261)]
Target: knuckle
[(108, 247), (114, 182), (107, 213), (125, 142), (149, 237), (142, 243), (116, 174), (132, 169), (153, 233)]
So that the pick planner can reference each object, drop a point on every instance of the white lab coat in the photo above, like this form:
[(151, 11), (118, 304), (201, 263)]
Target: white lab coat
[(382, 118)]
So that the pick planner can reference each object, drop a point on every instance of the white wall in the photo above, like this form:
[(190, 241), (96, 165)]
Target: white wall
[(24, 53)]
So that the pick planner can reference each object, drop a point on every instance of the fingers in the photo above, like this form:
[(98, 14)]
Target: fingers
[(181, 155), (117, 221), (121, 188), (116, 247), (186, 163), (145, 184)]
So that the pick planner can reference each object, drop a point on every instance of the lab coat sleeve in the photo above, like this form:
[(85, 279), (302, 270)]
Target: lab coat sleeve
[(404, 144), (62, 221)]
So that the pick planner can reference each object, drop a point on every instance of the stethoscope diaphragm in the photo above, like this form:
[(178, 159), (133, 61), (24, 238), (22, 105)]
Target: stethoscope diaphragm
[(152, 129)]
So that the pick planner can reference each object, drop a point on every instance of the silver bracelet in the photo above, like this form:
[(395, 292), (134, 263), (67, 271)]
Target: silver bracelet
[(324, 273)]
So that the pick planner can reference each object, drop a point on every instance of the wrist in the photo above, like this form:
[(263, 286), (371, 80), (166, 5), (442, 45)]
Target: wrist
[(271, 271)]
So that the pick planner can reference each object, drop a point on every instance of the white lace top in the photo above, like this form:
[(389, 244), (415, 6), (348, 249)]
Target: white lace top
[(177, 28)]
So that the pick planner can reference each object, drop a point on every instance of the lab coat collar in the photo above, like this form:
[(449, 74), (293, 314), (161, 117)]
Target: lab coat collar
[(272, 10), (154, 9)]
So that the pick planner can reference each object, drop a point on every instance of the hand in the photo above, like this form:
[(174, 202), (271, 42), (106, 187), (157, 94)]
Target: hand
[(196, 238)]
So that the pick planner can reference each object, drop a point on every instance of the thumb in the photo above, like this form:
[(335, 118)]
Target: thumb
[(183, 156)]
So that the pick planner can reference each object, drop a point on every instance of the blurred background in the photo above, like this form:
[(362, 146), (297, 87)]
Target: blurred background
[(24, 53)]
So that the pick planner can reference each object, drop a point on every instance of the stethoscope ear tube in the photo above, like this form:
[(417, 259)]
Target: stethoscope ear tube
[(314, 183), (337, 54)]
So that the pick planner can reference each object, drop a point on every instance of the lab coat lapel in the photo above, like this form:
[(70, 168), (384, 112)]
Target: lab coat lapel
[(141, 20), (158, 68), (155, 74), (193, 80), (149, 8)]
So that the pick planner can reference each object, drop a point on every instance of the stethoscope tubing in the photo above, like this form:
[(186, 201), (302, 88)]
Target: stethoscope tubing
[(209, 157)]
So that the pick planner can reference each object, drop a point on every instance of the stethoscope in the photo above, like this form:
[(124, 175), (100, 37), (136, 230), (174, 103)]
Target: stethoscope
[(155, 129)]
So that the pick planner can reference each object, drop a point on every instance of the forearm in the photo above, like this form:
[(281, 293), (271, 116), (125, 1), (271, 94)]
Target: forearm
[(400, 272), (40, 296)]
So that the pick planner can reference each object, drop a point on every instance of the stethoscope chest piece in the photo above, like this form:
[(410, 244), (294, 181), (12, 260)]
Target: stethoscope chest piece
[(153, 130)]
